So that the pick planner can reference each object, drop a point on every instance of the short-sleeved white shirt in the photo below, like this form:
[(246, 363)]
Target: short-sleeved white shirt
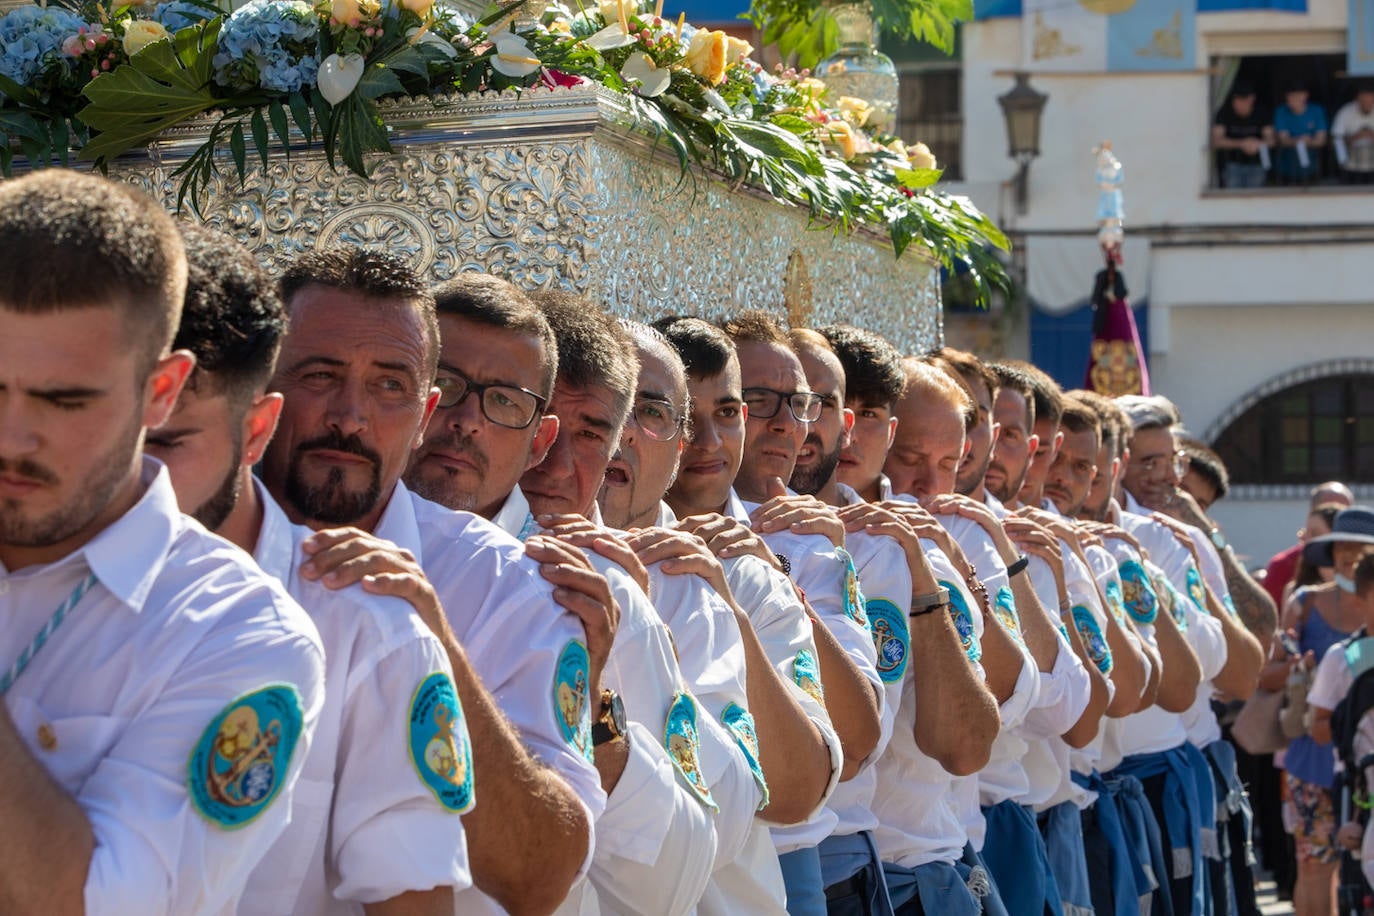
[(180, 629), (366, 826)]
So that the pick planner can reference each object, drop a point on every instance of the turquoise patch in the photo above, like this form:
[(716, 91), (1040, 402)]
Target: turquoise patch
[(808, 675), (1173, 602), (741, 725), (570, 702), (683, 743), (1093, 641), (1114, 601), (1065, 630), (1195, 589), (1004, 609), (890, 637), (853, 595), (439, 745), (241, 760), (1227, 603), (963, 622), (1136, 591)]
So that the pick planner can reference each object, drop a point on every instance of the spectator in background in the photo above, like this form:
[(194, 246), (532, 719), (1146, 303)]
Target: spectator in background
[(1206, 479), (1353, 133), (1238, 133), (1300, 127), (1283, 565), (1319, 523)]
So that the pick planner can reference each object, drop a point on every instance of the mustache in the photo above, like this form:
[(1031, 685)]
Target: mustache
[(458, 445), (337, 442), (30, 469)]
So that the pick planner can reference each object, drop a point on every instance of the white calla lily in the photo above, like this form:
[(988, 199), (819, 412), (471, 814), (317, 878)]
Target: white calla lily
[(513, 56), (640, 67), (339, 76), (610, 38), (421, 35)]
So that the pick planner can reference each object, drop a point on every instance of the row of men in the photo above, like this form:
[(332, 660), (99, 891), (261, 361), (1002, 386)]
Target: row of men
[(528, 609)]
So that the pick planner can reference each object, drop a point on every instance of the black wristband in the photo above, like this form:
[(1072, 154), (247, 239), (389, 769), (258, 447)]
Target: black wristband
[(1019, 566)]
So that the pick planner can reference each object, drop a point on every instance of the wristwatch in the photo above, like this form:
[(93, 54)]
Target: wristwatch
[(1218, 539), (611, 723)]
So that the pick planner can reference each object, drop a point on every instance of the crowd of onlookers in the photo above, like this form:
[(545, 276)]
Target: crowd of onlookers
[(1297, 143)]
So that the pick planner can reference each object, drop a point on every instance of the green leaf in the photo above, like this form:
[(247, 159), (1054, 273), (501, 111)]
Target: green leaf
[(378, 81), (259, 125), (916, 179), (237, 150), (279, 126), (360, 131), (300, 113), (21, 94)]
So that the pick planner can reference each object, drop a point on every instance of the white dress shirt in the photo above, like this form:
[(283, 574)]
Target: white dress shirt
[(122, 706)]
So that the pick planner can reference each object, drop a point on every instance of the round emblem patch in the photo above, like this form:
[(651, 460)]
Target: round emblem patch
[(1114, 601), (1136, 591), (242, 758), (808, 675), (1005, 610), (741, 724), (1195, 589), (684, 746), (963, 622), (853, 595), (439, 745), (1172, 602), (1093, 641), (570, 702), (890, 638)]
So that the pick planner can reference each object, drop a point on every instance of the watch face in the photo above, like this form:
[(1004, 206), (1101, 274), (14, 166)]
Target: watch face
[(618, 714)]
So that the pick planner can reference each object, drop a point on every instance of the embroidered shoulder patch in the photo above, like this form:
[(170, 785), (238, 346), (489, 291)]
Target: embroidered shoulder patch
[(1093, 640), (1114, 602), (1195, 589), (570, 701), (890, 638), (853, 595), (1005, 610), (1227, 603), (1172, 602), (1136, 591), (963, 621), (741, 724), (439, 745), (242, 758), (681, 740), (807, 674)]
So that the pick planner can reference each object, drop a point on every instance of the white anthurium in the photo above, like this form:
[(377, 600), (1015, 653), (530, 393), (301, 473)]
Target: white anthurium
[(421, 35), (513, 56), (339, 76), (653, 80), (611, 37)]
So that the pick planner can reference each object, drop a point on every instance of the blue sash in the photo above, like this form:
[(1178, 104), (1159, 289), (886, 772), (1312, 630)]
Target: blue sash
[(939, 885), (1062, 829), (1132, 871), (801, 875), (843, 857), (982, 885), (1015, 855), (1182, 814), (1142, 831)]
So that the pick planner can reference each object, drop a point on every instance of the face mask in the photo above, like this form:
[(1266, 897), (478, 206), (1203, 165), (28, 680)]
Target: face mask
[(1345, 584)]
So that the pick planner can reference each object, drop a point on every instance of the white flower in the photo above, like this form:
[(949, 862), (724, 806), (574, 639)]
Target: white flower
[(513, 56), (139, 33), (640, 67), (610, 38)]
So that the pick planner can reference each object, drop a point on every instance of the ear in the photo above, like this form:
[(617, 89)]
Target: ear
[(1058, 442), (968, 445), (258, 426), (891, 431), (431, 403), (845, 434), (544, 437), (996, 433), (1032, 443), (164, 386)]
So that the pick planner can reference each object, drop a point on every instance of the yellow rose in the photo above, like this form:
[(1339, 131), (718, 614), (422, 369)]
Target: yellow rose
[(706, 55), (855, 111), (840, 134), (811, 86), (420, 8), (736, 49), (347, 12), (139, 33), (898, 147), (920, 157)]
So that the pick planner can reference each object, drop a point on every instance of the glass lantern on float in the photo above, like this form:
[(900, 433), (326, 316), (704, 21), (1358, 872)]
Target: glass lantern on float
[(857, 68)]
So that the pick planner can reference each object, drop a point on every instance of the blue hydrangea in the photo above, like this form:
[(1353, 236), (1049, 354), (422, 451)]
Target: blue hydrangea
[(178, 15), (269, 44), (31, 39)]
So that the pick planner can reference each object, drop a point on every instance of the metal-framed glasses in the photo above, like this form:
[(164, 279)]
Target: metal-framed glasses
[(764, 404), (1155, 464), (657, 418), (504, 405)]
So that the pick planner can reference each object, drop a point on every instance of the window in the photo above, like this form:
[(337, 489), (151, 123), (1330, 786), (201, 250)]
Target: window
[(1307, 433), (929, 111)]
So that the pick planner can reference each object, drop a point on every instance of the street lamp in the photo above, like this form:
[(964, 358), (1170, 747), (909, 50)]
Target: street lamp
[(1022, 107)]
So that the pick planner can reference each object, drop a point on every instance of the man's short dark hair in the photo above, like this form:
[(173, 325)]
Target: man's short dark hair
[(1115, 425), (73, 240), (372, 274), (233, 319), (704, 348), (496, 303), (1207, 463), (970, 368), (1016, 379), (1045, 391), (755, 326), (1079, 416), (593, 349), (873, 373)]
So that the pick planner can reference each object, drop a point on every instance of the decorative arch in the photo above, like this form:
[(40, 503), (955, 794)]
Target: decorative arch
[(1313, 421)]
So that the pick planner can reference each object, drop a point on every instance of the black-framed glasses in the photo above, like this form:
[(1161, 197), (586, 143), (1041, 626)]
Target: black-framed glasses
[(657, 418), (504, 405), (764, 404)]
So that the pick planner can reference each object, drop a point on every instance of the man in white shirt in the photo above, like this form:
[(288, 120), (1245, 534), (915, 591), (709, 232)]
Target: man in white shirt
[(376, 822), (357, 373), (1353, 135), (160, 691)]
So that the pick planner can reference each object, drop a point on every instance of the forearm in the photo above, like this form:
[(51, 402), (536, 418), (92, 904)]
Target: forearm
[(1156, 668), (47, 842), (1002, 659), (1244, 659), (1254, 605), (792, 752), (1128, 671), (1181, 672), (956, 715), (1037, 626), (1085, 729), (851, 699)]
